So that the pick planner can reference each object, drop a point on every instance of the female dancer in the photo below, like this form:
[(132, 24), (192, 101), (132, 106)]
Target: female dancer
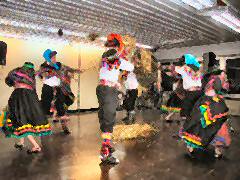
[(26, 118), (207, 124), (189, 70)]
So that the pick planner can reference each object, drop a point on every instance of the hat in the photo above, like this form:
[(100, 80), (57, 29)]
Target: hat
[(114, 40), (191, 60), (28, 65), (48, 54), (212, 60)]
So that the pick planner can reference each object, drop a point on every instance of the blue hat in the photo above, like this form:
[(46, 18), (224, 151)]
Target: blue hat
[(47, 56), (191, 60)]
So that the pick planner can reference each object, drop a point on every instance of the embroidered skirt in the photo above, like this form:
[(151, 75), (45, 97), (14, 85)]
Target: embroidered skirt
[(25, 115), (207, 118)]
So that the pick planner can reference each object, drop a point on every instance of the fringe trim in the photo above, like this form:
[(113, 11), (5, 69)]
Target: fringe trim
[(171, 109), (47, 133), (28, 129)]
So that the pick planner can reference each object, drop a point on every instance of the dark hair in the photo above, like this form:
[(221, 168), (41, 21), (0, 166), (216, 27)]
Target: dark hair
[(53, 53)]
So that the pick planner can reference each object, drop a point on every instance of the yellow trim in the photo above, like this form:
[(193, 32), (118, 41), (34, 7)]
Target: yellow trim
[(107, 136), (192, 140)]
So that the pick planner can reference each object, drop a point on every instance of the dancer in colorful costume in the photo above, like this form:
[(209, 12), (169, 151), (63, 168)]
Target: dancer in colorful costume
[(207, 124), (56, 86), (26, 118), (131, 85), (107, 93), (188, 67)]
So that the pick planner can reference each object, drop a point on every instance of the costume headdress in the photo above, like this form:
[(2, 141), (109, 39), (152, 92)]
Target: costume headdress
[(48, 54), (115, 40), (190, 60)]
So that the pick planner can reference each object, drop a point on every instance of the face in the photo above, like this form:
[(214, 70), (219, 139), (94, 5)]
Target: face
[(54, 59)]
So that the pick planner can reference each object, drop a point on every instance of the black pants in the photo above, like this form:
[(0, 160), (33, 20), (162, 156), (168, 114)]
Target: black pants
[(47, 98), (108, 100), (189, 100), (129, 101)]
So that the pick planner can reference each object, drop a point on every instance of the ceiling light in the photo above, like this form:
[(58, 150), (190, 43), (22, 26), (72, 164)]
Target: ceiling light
[(200, 4)]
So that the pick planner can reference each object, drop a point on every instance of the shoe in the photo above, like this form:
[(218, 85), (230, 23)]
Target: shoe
[(106, 154), (132, 117), (18, 146), (109, 160), (55, 120), (34, 150), (126, 120), (66, 131)]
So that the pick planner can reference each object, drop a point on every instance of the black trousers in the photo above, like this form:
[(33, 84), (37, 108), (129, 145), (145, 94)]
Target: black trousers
[(189, 100), (47, 98), (108, 100), (129, 101)]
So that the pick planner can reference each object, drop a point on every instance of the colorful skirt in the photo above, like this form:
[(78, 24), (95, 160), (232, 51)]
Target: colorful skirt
[(25, 115), (174, 104), (207, 118), (222, 138)]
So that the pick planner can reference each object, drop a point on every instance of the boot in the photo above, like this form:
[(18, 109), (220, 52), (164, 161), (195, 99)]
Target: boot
[(106, 154), (107, 150), (132, 117)]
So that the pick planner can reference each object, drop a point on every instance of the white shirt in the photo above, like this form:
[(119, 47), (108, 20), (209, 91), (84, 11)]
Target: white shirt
[(53, 81), (131, 82), (188, 81), (112, 75)]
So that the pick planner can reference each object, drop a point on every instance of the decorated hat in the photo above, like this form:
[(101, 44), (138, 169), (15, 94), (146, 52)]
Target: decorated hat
[(48, 54), (212, 60), (28, 65), (115, 40)]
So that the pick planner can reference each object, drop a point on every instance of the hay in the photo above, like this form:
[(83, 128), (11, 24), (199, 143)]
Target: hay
[(134, 131)]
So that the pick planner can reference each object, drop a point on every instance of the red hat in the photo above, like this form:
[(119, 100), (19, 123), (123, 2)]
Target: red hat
[(115, 40)]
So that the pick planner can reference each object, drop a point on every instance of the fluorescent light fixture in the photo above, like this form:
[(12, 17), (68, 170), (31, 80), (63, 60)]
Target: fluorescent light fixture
[(39, 27), (199, 4), (143, 46), (228, 21)]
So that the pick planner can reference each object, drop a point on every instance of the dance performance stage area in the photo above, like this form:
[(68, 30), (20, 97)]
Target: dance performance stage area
[(75, 157)]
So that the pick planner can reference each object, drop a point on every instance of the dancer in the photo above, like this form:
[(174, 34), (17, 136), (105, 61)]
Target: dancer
[(207, 124), (175, 101), (188, 67), (56, 86), (26, 118), (107, 92), (131, 85)]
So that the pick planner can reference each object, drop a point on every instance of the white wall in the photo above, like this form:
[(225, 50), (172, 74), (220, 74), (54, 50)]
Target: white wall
[(20, 51)]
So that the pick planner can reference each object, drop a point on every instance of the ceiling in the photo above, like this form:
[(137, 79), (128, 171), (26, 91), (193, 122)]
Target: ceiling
[(153, 22)]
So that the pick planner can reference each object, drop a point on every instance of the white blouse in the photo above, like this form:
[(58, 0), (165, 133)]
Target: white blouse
[(131, 82), (113, 74), (188, 80)]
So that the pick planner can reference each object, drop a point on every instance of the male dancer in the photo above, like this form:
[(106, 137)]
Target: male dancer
[(131, 85), (107, 93)]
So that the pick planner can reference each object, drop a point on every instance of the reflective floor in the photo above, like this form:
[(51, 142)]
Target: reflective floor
[(75, 157)]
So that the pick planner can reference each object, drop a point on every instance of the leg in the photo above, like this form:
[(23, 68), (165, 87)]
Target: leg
[(20, 144), (107, 98), (46, 99), (36, 148), (59, 104)]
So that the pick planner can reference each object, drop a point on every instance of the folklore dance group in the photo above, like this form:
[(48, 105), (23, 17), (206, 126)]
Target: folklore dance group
[(197, 96)]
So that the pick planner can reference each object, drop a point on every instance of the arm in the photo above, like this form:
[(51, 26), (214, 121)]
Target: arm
[(126, 65), (9, 80)]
